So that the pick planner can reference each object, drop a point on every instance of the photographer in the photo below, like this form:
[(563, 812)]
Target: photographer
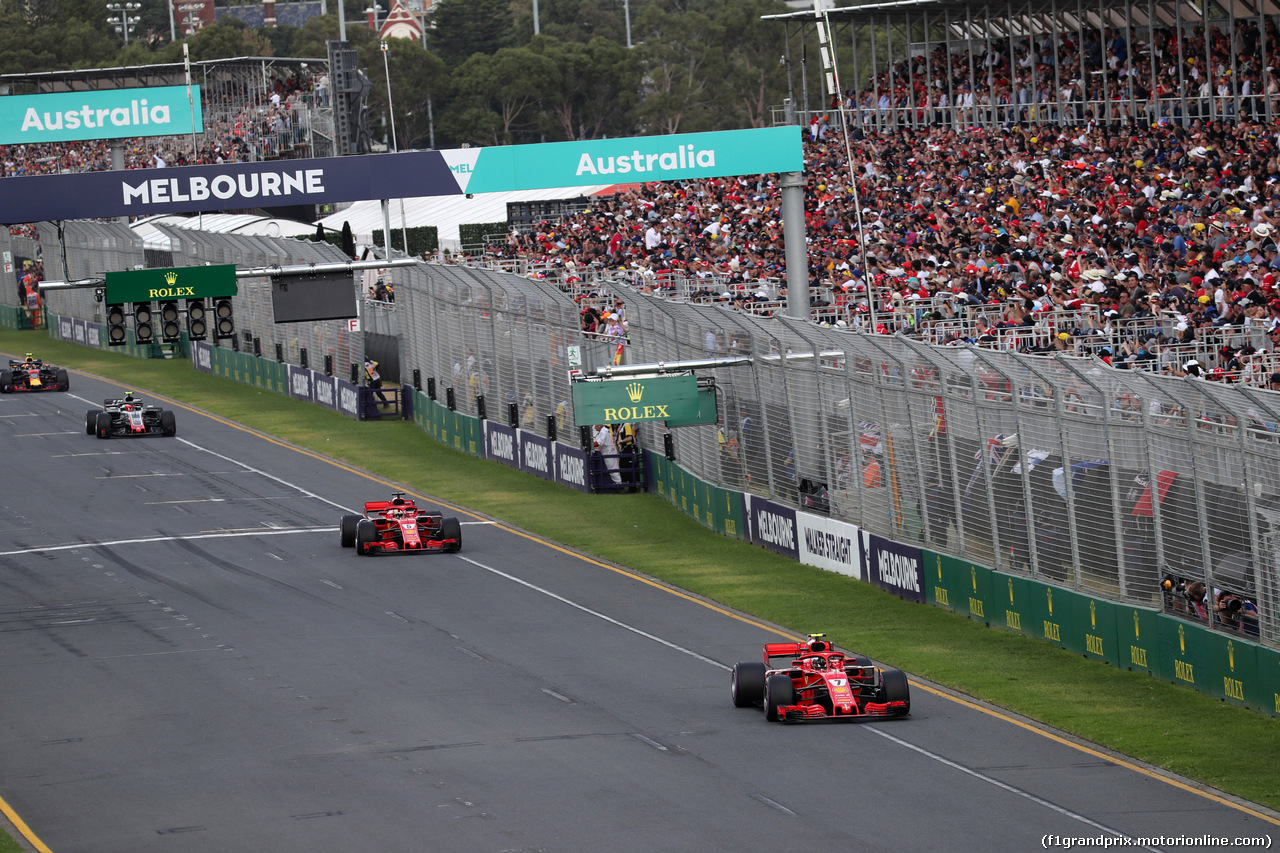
[(1236, 613)]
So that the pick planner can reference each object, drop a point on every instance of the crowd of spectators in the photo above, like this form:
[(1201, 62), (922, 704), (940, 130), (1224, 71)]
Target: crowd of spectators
[(239, 126), (1139, 243)]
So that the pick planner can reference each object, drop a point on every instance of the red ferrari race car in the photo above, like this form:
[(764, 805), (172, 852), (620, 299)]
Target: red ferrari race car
[(813, 681), (398, 526), (32, 374)]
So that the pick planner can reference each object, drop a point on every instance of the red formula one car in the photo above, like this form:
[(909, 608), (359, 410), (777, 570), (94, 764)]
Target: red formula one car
[(32, 374), (398, 526), (813, 681)]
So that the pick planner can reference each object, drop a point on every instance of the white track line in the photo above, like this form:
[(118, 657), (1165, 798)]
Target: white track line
[(271, 477), (227, 535)]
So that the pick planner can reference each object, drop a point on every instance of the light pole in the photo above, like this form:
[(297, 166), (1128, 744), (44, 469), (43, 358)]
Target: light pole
[(386, 69), (193, 22), (123, 20)]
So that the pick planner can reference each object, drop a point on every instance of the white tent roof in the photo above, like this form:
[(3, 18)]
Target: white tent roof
[(218, 223), (446, 212)]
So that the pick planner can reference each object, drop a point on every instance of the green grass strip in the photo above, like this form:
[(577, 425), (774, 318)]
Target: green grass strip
[(1169, 726)]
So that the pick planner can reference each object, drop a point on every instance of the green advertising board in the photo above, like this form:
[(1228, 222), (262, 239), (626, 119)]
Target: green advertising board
[(1138, 634), (104, 114), (1268, 662), (1010, 604), (651, 398), (707, 411), (588, 162), (1050, 611), (1231, 669), (171, 283), (1092, 629), (1182, 652)]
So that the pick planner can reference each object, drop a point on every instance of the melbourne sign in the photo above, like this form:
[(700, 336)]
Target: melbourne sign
[(408, 174), (111, 114), (617, 401), (171, 283), (893, 566)]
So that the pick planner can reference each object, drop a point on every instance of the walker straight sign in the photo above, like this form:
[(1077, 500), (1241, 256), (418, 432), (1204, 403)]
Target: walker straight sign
[(110, 114)]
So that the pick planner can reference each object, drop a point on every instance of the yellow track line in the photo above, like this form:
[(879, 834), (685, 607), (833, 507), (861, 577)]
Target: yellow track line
[(695, 600)]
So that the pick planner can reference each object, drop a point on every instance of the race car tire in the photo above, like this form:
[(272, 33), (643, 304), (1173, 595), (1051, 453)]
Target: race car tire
[(894, 688), (747, 684), (91, 421), (348, 530), (366, 533), (63, 380), (854, 668), (6, 381), (450, 528), (102, 425), (779, 690), (168, 423)]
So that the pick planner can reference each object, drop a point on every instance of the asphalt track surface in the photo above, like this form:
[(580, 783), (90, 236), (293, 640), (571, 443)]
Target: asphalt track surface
[(192, 663)]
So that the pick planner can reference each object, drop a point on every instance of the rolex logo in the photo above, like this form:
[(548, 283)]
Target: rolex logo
[(171, 277), (635, 391)]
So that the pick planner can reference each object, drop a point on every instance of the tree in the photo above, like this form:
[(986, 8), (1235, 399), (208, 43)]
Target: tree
[(680, 58), (594, 87), (226, 40), (462, 28), (499, 96), (754, 78)]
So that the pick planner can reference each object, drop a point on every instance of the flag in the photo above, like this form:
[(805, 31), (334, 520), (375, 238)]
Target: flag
[(617, 354)]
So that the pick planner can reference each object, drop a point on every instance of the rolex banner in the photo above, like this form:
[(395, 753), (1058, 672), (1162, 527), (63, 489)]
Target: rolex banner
[(171, 283), (618, 401)]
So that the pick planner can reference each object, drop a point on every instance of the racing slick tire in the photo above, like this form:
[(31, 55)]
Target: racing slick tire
[(366, 533), (779, 690), (348, 530), (6, 381), (102, 425), (450, 528), (747, 684), (168, 423), (91, 421), (854, 668), (894, 688), (63, 381)]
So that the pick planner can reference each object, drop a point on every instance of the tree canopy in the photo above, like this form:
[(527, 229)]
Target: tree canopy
[(483, 77)]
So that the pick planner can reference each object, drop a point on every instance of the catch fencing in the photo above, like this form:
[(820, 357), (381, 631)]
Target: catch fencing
[(1057, 468)]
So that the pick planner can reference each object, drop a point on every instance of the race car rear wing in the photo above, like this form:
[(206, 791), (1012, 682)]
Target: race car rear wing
[(374, 507)]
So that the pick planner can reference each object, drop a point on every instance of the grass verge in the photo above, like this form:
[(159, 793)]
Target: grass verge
[(1169, 726)]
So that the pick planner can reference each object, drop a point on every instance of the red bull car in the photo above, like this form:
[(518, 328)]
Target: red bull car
[(129, 417), (812, 681), (32, 374), (398, 526)]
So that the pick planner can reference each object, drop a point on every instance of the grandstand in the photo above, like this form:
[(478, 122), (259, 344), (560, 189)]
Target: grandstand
[(255, 108)]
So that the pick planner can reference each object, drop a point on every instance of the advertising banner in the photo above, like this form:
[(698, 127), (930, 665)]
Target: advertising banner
[(500, 443), (1094, 628), (65, 328), (324, 391), (202, 356), (1050, 612), (100, 114), (829, 544), (1138, 635), (535, 454), (1182, 652), (409, 174), (348, 398), (587, 162), (570, 466), (772, 526), (171, 283), (653, 398), (1231, 665), (299, 383), (893, 567)]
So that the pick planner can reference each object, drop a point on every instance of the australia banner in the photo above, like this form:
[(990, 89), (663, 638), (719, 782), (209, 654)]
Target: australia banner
[(407, 174)]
